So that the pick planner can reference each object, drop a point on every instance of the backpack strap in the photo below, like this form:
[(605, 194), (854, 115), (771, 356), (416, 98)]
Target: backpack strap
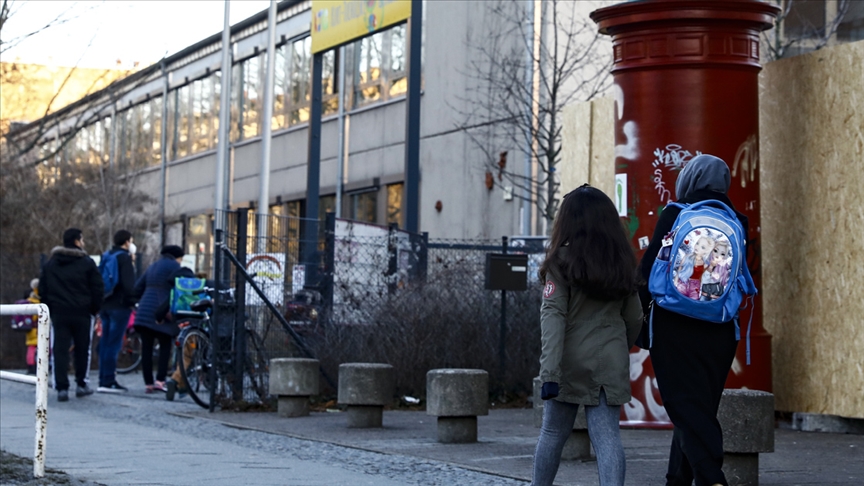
[(651, 326)]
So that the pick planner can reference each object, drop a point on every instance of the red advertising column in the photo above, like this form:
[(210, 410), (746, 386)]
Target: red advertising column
[(685, 82)]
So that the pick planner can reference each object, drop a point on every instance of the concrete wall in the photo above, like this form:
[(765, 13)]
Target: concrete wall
[(812, 195), (812, 170)]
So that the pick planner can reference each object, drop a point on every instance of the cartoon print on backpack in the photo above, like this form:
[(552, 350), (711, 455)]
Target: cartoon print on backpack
[(716, 275), (691, 262)]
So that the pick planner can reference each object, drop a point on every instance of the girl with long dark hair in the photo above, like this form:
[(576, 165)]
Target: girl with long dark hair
[(590, 318)]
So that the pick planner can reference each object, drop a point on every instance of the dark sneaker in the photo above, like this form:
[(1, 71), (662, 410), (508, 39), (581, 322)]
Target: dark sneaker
[(83, 391), (112, 388), (63, 396)]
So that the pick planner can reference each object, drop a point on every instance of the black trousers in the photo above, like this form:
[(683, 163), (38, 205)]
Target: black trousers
[(148, 337), (691, 363), (69, 330)]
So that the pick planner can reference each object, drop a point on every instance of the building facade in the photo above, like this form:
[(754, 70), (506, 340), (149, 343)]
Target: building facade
[(159, 126)]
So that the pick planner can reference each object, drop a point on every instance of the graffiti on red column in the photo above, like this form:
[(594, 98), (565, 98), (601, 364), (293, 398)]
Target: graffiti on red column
[(673, 157)]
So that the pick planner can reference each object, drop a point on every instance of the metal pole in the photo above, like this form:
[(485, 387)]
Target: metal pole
[(536, 35), (240, 305), (215, 318), (313, 175), (412, 119), (502, 332), (163, 170), (340, 175), (41, 377), (525, 211), (224, 120), (266, 131)]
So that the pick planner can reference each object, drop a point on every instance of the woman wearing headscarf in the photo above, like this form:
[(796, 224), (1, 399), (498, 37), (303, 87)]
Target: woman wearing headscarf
[(691, 357)]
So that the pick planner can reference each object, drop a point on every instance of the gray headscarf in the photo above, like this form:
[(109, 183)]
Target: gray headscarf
[(703, 172)]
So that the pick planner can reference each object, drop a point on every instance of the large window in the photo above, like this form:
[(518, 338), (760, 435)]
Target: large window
[(138, 133), (379, 67), (326, 204), (363, 206), (193, 111), (394, 203)]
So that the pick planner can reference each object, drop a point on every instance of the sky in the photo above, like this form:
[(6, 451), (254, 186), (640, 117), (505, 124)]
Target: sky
[(99, 33)]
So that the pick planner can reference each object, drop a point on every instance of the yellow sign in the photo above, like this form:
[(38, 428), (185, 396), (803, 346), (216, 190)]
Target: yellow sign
[(335, 22)]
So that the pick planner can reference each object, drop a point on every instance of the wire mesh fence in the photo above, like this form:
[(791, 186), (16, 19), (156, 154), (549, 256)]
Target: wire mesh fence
[(356, 292)]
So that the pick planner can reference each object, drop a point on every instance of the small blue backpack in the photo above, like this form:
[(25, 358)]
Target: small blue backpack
[(110, 271), (701, 269)]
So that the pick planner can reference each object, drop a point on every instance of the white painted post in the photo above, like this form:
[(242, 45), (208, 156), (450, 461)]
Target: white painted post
[(41, 377)]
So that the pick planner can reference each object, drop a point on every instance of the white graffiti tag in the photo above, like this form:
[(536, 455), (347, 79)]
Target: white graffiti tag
[(630, 148), (748, 158), (672, 157)]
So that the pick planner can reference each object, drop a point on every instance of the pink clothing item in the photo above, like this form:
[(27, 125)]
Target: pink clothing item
[(31, 355), (690, 288)]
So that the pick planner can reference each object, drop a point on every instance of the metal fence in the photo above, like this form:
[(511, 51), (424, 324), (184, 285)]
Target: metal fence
[(357, 292)]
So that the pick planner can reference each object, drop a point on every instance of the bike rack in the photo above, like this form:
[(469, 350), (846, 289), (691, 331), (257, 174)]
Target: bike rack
[(296, 337)]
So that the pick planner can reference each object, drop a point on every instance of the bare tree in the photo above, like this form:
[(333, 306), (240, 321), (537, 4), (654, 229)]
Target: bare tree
[(58, 171), (803, 26), (521, 81)]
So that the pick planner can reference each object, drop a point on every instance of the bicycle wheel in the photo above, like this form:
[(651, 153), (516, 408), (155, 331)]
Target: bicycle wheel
[(257, 372), (130, 353), (196, 372)]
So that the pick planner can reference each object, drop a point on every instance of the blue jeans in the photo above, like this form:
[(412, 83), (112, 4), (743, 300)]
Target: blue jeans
[(114, 324), (558, 419)]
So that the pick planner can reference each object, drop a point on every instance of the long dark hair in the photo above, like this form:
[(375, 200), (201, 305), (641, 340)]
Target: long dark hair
[(589, 247)]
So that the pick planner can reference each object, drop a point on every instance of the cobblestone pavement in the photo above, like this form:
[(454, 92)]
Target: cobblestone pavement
[(142, 439), (130, 439)]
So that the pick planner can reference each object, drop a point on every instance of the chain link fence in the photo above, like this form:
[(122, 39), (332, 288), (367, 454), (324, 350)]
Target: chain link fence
[(357, 292)]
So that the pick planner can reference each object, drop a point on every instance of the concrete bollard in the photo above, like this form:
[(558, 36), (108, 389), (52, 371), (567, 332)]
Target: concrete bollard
[(292, 382), (578, 445), (457, 397), (365, 388), (747, 420)]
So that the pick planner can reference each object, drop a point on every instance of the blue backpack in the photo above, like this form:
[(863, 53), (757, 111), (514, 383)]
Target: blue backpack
[(110, 271), (701, 269)]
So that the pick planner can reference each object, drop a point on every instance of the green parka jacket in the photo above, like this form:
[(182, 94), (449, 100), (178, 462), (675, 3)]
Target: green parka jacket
[(586, 343)]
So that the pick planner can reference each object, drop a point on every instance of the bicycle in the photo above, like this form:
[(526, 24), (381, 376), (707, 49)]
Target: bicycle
[(195, 353), (129, 358)]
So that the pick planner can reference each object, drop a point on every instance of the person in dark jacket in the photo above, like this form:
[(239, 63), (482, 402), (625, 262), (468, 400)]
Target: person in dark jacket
[(691, 358), (71, 286), (589, 319), (154, 287), (115, 314)]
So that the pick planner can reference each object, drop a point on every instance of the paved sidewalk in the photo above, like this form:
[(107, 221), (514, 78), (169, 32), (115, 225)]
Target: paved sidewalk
[(506, 440), (110, 451), (142, 439)]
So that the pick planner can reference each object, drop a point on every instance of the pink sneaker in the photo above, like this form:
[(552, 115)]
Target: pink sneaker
[(159, 386)]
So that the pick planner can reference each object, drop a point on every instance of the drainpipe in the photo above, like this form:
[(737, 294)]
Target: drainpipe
[(163, 142), (266, 132), (221, 203), (340, 178)]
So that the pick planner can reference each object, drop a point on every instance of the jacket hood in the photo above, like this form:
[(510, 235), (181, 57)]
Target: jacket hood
[(703, 172), (65, 255)]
